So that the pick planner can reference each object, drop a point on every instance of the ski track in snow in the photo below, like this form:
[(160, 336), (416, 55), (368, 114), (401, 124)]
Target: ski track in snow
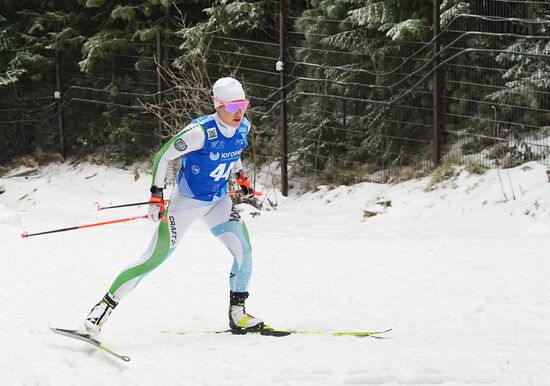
[(459, 273)]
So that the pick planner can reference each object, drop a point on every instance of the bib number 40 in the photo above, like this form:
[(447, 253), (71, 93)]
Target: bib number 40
[(222, 171)]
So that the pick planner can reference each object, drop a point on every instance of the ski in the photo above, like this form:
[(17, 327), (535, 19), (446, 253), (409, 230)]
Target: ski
[(266, 331), (79, 335), (359, 334), (269, 331)]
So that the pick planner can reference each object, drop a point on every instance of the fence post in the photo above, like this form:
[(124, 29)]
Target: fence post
[(284, 126), (57, 93), (437, 83)]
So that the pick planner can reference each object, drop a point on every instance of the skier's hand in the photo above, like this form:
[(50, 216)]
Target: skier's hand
[(244, 184), (156, 205), (156, 208)]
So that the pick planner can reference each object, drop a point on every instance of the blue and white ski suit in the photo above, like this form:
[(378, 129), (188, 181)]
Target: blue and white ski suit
[(210, 153)]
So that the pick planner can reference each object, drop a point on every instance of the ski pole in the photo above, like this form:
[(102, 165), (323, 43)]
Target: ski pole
[(26, 234), (99, 207), (255, 192)]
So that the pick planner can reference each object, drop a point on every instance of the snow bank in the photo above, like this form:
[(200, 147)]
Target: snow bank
[(460, 273)]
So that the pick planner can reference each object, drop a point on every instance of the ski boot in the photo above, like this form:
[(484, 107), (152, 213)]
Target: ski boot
[(239, 320), (99, 314)]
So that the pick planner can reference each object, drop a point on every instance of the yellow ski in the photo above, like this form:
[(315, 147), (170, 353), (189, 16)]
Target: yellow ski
[(268, 331)]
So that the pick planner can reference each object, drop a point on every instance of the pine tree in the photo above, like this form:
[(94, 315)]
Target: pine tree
[(527, 79), (26, 75), (356, 44)]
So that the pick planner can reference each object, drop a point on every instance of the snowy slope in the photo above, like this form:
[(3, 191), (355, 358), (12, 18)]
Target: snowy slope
[(461, 274)]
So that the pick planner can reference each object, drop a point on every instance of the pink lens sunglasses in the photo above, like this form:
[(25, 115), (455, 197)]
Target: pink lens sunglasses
[(234, 106)]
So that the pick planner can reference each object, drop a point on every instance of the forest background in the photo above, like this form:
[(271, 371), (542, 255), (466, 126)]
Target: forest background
[(367, 92)]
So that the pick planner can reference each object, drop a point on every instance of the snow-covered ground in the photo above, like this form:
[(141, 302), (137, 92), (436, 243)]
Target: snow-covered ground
[(461, 274)]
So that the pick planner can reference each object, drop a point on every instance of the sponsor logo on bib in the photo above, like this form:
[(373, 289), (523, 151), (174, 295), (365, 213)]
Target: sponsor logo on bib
[(230, 154), (212, 133), (215, 156)]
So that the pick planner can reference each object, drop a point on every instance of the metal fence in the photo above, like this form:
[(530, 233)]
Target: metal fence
[(476, 92), (495, 63), (359, 119)]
